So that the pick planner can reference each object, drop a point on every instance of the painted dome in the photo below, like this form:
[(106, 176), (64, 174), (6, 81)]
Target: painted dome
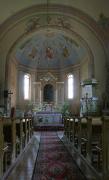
[(49, 50)]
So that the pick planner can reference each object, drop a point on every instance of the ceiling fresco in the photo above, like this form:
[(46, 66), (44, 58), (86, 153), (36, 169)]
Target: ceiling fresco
[(49, 49)]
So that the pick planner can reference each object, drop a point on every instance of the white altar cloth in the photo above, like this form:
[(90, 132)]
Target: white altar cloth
[(42, 118)]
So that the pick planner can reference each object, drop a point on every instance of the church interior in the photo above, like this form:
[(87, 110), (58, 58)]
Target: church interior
[(54, 90)]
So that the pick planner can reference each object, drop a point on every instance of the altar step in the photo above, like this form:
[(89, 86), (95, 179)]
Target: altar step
[(49, 127)]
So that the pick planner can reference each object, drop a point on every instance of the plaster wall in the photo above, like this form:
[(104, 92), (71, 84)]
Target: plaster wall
[(9, 37), (92, 8), (12, 82)]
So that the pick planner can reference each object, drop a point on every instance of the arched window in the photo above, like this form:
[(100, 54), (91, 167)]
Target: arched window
[(70, 86), (26, 86)]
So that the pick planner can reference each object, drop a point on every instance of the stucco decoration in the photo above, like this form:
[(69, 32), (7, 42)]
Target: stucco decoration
[(103, 21), (104, 24), (48, 77), (47, 20)]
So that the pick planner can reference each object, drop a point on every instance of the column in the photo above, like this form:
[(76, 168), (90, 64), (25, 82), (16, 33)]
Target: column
[(60, 93), (38, 93)]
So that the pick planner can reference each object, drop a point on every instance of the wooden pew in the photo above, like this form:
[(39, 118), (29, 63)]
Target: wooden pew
[(18, 136), (90, 138), (9, 134), (71, 130), (105, 147), (2, 148), (66, 126), (83, 136), (96, 142), (76, 132), (14, 136)]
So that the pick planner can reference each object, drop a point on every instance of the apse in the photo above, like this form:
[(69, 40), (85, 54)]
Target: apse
[(48, 49)]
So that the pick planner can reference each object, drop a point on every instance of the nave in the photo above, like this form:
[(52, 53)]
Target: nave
[(29, 166), (79, 151), (54, 75)]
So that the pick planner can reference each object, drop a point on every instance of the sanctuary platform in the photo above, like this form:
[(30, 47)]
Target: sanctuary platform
[(48, 121)]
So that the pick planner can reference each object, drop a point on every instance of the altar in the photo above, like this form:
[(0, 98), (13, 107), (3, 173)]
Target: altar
[(47, 118)]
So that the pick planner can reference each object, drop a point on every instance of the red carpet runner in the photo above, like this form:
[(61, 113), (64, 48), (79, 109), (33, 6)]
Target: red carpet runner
[(53, 161)]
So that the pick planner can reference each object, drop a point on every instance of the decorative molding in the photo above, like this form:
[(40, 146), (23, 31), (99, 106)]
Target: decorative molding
[(103, 21), (40, 21), (48, 77), (55, 8), (104, 24)]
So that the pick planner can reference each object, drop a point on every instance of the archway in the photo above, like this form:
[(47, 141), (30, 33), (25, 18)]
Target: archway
[(48, 93), (58, 24)]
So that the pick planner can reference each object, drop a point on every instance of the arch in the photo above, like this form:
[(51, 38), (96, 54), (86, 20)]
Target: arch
[(70, 12), (71, 33), (82, 17), (48, 93)]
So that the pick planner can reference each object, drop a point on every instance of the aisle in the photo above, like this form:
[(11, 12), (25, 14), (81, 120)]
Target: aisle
[(53, 160)]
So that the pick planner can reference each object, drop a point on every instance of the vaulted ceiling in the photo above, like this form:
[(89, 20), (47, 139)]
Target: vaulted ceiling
[(50, 33), (91, 7), (50, 48)]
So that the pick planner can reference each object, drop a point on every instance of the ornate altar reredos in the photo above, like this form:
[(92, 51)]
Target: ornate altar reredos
[(49, 97), (48, 90), (89, 104)]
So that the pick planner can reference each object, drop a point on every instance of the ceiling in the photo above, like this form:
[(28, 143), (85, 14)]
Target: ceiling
[(90, 7), (49, 49)]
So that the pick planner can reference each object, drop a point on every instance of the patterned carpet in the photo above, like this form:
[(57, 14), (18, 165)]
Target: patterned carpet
[(53, 160), (49, 127)]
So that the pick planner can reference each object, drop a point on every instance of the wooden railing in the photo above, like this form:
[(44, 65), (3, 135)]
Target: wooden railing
[(14, 136), (89, 136)]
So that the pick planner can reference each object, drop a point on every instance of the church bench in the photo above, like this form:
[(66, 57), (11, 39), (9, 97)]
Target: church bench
[(18, 136), (76, 132), (71, 130), (2, 147), (29, 128), (90, 138), (96, 142), (66, 126), (13, 134), (9, 138), (83, 136)]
